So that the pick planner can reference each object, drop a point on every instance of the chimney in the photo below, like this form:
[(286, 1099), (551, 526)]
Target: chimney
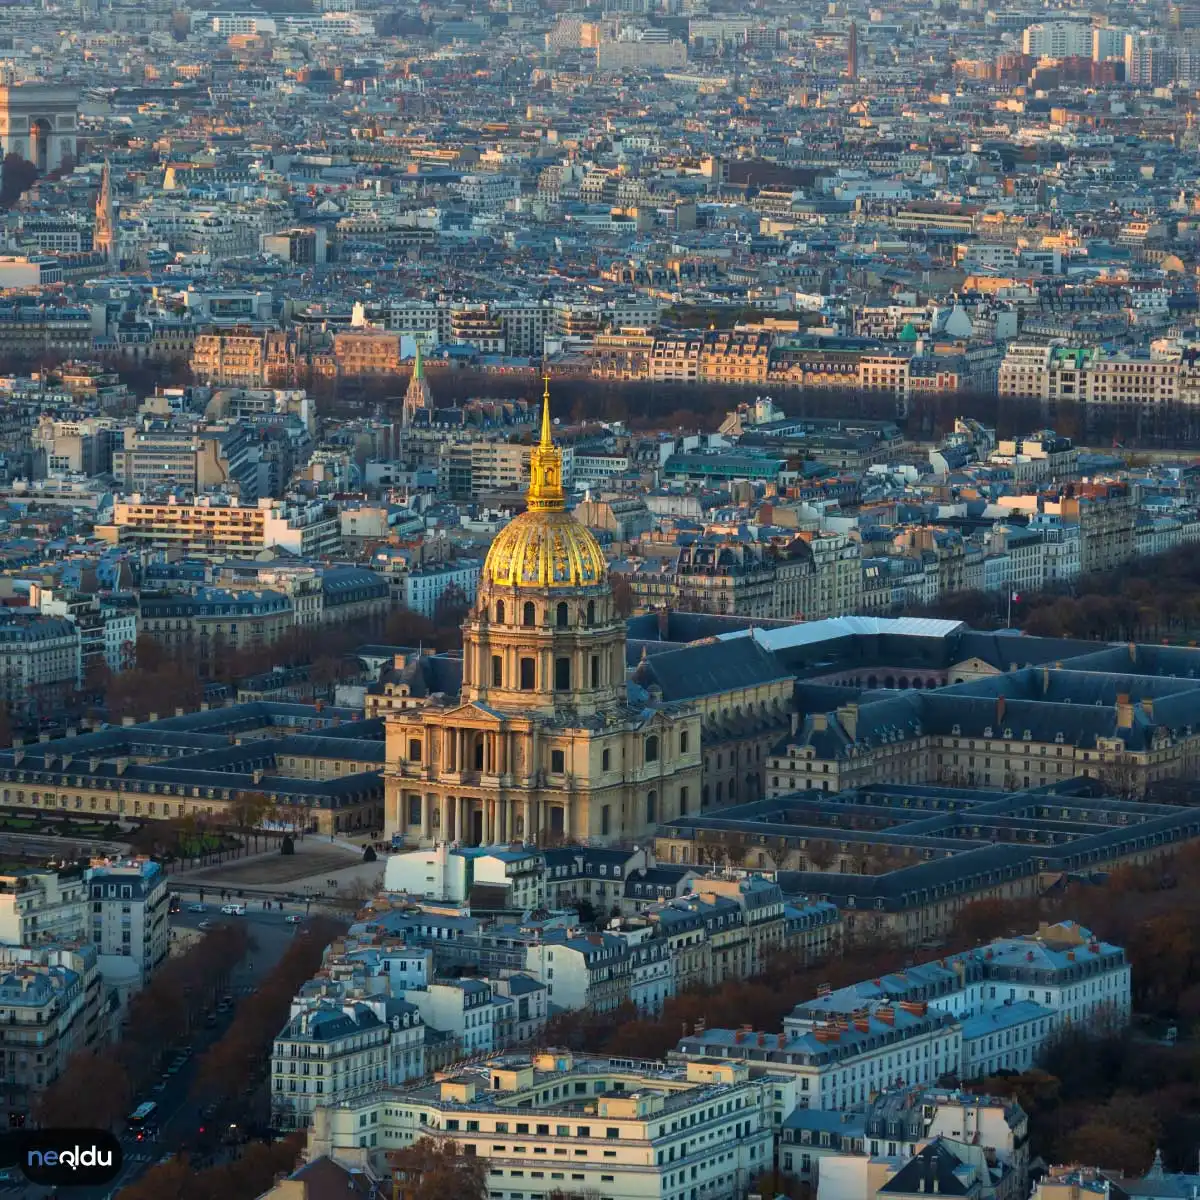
[(1148, 707), (1045, 680), (127, 721), (795, 723), (43, 737), (179, 711), (820, 721), (848, 715), (999, 712), (18, 757), (1124, 711)]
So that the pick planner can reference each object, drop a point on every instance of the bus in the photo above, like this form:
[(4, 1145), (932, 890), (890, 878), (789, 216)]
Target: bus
[(143, 1121)]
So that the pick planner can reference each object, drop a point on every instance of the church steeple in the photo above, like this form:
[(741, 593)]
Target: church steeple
[(417, 397), (545, 465), (104, 233)]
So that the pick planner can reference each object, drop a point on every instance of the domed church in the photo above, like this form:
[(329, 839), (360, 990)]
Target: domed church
[(545, 742)]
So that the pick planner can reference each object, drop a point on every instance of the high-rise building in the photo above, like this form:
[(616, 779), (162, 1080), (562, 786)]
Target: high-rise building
[(852, 51)]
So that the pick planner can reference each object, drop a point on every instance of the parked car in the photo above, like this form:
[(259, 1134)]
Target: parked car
[(293, 918), (234, 910), (197, 908)]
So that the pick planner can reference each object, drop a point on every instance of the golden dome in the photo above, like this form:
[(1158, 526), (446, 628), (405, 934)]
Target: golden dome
[(545, 550), (545, 547)]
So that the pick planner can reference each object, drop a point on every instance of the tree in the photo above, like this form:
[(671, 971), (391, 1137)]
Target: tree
[(247, 813), (93, 1091), (17, 176), (433, 1170), (452, 608)]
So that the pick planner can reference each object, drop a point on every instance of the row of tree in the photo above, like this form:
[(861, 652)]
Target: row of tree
[(98, 1084), (245, 1046), (252, 1173), (1159, 601)]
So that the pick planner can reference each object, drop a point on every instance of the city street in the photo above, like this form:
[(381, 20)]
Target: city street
[(180, 1116)]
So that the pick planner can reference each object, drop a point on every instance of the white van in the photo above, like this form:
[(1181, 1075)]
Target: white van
[(234, 910)]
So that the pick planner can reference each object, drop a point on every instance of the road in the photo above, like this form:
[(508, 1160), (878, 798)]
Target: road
[(180, 1115)]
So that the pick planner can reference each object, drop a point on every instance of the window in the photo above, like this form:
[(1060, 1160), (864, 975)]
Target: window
[(527, 674), (606, 760), (500, 612), (683, 741), (561, 615), (528, 614), (558, 762), (414, 810), (591, 612), (414, 749), (652, 749), (605, 824), (595, 670), (683, 801), (497, 670), (651, 807), (562, 674)]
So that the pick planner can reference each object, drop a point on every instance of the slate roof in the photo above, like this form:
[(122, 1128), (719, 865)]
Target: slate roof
[(708, 667)]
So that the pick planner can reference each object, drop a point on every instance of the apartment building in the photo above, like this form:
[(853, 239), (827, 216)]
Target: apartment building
[(443, 872), (128, 920), (838, 1063), (553, 1120), (475, 1017), (214, 525), (590, 970), (183, 457), (40, 659), (425, 586), (39, 907), (327, 1055), (878, 1139), (357, 354), (213, 622), (50, 1000), (231, 358), (726, 577)]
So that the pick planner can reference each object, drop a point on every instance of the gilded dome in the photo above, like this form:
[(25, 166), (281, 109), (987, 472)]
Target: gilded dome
[(545, 550), (545, 547)]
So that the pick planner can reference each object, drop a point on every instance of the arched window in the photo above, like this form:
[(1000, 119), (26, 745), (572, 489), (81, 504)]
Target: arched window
[(591, 612), (651, 807), (683, 742), (560, 615), (652, 748), (529, 613), (500, 612)]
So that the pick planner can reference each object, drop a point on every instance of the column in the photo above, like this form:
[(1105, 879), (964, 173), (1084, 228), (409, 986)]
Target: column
[(503, 813), (424, 818), (461, 829), (444, 818), (490, 825), (566, 818), (528, 815)]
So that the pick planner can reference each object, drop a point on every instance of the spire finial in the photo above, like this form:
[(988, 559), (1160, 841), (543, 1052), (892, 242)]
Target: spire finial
[(545, 464), (547, 428)]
